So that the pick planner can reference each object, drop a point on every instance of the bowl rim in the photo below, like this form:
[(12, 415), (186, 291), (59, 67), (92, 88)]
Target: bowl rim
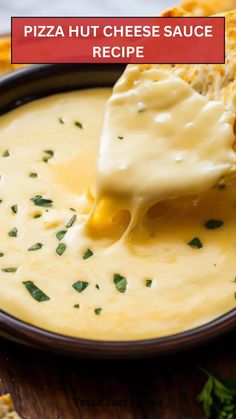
[(24, 332), (21, 331)]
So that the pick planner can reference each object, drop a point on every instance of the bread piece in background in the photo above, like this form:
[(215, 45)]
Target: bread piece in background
[(7, 408), (5, 57), (201, 8)]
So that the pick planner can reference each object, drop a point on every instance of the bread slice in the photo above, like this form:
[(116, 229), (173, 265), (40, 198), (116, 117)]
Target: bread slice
[(215, 81), (7, 408), (5, 57), (201, 8)]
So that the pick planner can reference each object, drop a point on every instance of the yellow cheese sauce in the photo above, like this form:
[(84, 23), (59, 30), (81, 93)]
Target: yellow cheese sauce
[(175, 270)]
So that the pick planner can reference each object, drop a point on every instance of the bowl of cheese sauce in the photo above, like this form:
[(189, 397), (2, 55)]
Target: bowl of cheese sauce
[(87, 265)]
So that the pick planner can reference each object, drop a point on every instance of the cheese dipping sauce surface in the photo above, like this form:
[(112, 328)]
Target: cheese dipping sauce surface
[(153, 284)]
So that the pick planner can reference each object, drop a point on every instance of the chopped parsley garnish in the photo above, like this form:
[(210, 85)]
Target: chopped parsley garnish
[(218, 398), (33, 174), (1, 254), (78, 124), (14, 209), (9, 270), (76, 306), (61, 120), (35, 292), (148, 283), (41, 202), (120, 138), (120, 282), (61, 249), (80, 285), (71, 221), (196, 243), (36, 246), (61, 234), (13, 232), (97, 286), (212, 224), (98, 311), (37, 215), (6, 153), (87, 254), (48, 155), (49, 152)]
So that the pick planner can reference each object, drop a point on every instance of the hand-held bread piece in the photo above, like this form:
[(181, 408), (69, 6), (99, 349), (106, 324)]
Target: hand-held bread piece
[(175, 125), (215, 81)]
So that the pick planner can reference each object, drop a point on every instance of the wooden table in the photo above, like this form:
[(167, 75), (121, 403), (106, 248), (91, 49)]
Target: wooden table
[(49, 386)]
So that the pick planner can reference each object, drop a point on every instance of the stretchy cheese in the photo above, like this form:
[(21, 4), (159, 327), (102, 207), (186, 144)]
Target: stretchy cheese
[(160, 140)]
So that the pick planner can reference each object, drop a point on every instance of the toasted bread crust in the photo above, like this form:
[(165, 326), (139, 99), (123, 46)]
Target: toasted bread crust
[(201, 8), (5, 56), (215, 81), (7, 408)]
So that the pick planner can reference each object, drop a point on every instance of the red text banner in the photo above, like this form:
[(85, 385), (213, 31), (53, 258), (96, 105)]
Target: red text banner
[(118, 40)]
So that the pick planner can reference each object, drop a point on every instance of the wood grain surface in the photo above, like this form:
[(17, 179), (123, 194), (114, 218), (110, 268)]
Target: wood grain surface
[(49, 386)]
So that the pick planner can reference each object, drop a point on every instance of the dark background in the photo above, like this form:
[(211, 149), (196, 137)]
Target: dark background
[(49, 386)]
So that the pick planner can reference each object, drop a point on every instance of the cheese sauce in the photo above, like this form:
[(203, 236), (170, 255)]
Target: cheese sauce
[(175, 271)]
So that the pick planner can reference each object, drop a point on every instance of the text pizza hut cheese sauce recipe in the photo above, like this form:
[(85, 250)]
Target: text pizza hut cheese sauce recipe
[(132, 31)]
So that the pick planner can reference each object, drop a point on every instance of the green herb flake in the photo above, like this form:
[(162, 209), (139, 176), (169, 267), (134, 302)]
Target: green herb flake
[(80, 286), (61, 249), (76, 306), (120, 282), (49, 152), (212, 224), (98, 311), (120, 138), (13, 232), (71, 221), (49, 155), (1, 254), (87, 254), (36, 246), (6, 153), (195, 243), (97, 286), (35, 292), (9, 270), (60, 234), (14, 209), (33, 174), (218, 398), (148, 283), (61, 120), (78, 124), (37, 215), (39, 201)]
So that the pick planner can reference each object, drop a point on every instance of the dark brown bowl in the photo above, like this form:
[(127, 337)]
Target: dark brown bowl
[(31, 83)]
